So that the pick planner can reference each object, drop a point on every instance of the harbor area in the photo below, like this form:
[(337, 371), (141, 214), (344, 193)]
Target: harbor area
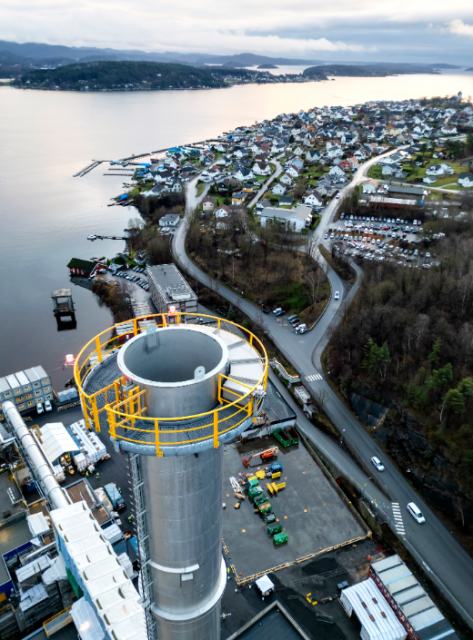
[(309, 508)]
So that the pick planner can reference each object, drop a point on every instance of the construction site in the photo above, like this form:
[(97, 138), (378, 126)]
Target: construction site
[(180, 501)]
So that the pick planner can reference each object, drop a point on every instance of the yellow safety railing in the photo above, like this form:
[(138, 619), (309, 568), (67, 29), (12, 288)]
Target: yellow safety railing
[(125, 409)]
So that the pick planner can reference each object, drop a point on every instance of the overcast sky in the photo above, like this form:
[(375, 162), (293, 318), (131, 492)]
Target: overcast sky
[(378, 30)]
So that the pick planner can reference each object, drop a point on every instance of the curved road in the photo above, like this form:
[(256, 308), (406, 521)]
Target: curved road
[(434, 547)]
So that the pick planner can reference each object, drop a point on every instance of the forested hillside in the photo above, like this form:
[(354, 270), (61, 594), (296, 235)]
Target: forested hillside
[(409, 335), (120, 75)]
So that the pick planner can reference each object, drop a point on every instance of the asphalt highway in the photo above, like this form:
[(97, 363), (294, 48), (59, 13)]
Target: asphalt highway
[(431, 543)]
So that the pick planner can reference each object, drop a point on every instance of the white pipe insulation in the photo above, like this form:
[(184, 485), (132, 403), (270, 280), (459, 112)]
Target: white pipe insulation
[(49, 483)]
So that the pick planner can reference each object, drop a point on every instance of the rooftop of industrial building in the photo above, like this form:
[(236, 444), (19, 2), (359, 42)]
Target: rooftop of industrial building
[(310, 509)]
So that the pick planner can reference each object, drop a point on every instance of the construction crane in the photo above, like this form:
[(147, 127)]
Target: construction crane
[(267, 454)]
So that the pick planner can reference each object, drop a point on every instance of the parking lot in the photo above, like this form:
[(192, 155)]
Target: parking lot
[(309, 508), (381, 239)]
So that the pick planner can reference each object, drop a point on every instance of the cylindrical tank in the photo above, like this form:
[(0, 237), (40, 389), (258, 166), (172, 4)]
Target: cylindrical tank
[(179, 367)]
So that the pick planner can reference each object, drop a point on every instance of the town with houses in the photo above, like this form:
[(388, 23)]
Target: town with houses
[(319, 151)]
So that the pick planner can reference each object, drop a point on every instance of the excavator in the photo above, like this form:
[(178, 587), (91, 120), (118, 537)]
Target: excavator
[(267, 454)]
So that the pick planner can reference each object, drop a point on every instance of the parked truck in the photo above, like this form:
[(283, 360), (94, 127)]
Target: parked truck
[(114, 496)]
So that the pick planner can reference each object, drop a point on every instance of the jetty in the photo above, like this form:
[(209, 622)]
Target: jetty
[(89, 167)]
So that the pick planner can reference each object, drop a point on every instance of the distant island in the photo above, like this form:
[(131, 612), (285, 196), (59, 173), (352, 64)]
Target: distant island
[(121, 76), (365, 71), (469, 69), (267, 65)]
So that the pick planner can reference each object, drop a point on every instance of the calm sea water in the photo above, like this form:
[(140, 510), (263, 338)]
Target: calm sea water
[(46, 214)]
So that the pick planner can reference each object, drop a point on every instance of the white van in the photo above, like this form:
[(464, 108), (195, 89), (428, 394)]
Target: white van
[(415, 512)]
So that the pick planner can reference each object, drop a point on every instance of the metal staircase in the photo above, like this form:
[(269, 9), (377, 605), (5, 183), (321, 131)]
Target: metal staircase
[(142, 537)]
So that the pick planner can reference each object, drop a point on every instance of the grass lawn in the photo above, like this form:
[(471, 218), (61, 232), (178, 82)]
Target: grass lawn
[(441, 180), (375, 172), (200, 188)]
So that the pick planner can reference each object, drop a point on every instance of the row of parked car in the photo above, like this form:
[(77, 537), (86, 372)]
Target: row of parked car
[(136, 279), (398, 221), (299, 326)]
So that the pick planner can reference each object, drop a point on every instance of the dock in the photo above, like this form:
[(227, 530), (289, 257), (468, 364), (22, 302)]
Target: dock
[(89, 167)]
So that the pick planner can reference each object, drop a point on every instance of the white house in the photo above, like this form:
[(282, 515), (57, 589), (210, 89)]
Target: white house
[(170, 220), (336, 171), (435, 170), (296, 219), (244, 174), (465, 179), (313, 155), (262, 169), (313, 200), (293, 172), (369, 187), (222, 211), (286, 180), (278, 190), (387, 170)]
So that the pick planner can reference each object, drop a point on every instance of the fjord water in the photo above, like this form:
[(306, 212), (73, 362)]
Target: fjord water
[(46, 214)]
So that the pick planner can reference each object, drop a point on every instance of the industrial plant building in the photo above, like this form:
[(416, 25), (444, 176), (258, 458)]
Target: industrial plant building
[(169, 290)]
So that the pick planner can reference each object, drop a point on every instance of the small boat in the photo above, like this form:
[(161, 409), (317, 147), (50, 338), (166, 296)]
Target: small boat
[(92, 237)]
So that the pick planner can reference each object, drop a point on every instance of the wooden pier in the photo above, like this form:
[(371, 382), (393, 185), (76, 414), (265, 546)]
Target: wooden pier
[(91, 166)]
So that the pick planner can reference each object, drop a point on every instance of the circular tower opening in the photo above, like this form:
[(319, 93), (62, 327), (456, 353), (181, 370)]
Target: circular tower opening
[(178, 365)]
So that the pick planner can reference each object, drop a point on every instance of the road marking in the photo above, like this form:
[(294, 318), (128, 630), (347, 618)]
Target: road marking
[(312, 378), (398, 522)]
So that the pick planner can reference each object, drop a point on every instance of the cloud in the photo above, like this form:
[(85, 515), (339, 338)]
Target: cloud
[(460, 28)]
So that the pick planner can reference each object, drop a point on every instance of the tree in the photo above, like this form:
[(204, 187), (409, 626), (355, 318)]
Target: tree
[(231, 313), (291, 139), (376, 357), (441, 377), (469, 142), (434, 355)]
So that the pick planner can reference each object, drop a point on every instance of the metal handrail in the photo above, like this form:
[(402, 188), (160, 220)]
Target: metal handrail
[(119, 414)]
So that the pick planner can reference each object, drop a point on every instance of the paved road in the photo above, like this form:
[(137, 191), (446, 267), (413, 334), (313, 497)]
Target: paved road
[(435, 548), (267, 184)]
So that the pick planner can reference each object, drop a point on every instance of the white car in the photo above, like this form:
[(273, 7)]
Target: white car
[(39, 408), (336, 295), (48, 406), (302, 328), (416, 513), (377, 463), (337, 196)]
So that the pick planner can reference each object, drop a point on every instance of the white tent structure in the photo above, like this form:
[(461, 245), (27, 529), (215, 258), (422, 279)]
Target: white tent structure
[(57, 442), (378, 621)]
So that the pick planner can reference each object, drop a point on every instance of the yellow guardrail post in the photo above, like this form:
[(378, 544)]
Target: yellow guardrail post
[(159, 453), (216, 442), (95, 411), (131, 403), (250, 407), (135, 327), (111, 421), (218, 324), (98, 348)]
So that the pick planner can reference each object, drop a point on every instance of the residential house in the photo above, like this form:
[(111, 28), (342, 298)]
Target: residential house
[(369, 187), (239, 198), (222, 211), (293, 172), (208, 204), (170, 220), (295, 219), (449, 130), (314, 199), (286, 201), (336, 171), (262, 204), (278, 190), (465, 180), (262, 169), (312, 155), (435, 170), (244, 174)]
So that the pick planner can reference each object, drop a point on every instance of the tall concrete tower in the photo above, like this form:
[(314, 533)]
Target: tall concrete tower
[(170, 396)]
